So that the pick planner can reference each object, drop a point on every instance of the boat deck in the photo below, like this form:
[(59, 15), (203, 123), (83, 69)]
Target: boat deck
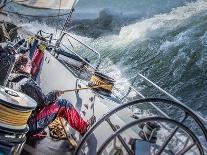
[(47, 146)]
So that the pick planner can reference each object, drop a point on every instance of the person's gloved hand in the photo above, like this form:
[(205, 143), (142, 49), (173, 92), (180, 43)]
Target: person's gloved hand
[(53, 96), (58, 93)]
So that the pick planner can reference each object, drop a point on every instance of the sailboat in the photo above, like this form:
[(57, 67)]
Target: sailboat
[(127, 124)]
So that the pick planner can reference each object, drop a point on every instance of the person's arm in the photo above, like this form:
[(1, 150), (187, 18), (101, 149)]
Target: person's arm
[(52, 96), (31, 88)]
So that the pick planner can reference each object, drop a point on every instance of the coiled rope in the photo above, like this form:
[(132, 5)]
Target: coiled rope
[(58, 131), (99, 83), (13, 117)]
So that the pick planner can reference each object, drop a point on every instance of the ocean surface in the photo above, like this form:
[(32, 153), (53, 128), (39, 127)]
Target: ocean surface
[(165, 40)]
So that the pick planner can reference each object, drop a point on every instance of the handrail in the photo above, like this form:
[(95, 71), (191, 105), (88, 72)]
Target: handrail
[(156, 107), (96, 52), (166, 93), (79, 57)]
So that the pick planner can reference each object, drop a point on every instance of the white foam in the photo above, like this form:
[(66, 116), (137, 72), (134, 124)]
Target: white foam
[(34, 27), (162, 22), (204, 39), (122, 83), (181, 38)]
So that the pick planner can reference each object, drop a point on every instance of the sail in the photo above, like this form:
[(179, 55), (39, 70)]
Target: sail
[(47, 4)]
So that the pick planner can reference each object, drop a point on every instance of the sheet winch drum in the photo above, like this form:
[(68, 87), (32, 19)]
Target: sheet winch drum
[(105, 82), (15, 109)]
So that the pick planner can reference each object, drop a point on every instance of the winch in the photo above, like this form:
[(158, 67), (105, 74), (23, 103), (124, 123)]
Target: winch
[(103, 82), (15, 109)]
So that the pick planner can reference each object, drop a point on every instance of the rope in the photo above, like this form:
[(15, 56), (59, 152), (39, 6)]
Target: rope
[(95, 82), (99, 82), (58, 131), (70, 141), (13, 117), (100, 86)]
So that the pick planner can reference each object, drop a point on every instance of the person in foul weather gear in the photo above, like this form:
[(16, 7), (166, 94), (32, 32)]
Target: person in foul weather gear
[(37, 59), (48, 106)]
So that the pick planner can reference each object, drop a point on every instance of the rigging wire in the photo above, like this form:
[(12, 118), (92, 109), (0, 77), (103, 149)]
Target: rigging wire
[(60, 1), (70, 43), (68, 20)]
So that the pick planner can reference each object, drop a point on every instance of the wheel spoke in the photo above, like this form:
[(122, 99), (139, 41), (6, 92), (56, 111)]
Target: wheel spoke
[(119, 137), (186, 149), (170, 137)]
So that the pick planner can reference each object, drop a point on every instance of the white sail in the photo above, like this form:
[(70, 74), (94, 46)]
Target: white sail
[(47, 4)]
